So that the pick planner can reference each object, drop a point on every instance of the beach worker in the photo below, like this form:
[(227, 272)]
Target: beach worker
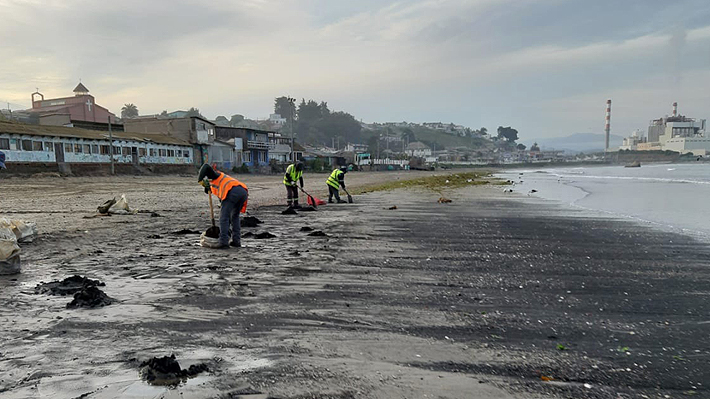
[(233, 194), (2, 160), (294, 174), (334, 182)]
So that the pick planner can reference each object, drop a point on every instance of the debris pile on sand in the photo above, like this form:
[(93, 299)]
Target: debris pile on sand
[(443, 200), (393, 207), (154, 237), (166, 370), (68, 286), (289, 211), (249, 221), (185, 232), (264, 235), (90, 297), (306, 228), (317, 233), (307, 209)]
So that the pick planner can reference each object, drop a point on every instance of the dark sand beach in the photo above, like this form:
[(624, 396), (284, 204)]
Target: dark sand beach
[(494, 295)]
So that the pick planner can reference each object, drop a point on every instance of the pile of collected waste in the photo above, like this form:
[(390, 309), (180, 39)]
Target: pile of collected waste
[(13, 232), (166, 370)]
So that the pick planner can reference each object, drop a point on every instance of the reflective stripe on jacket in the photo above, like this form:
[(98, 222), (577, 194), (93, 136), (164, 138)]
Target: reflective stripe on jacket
[(293, 174), (335, 178), (221, 186)]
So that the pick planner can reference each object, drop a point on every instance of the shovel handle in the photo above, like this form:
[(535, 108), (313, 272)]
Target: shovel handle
[(211, 210)]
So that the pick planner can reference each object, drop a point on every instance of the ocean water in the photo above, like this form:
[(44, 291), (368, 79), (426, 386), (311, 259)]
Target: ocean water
[(673, 197)]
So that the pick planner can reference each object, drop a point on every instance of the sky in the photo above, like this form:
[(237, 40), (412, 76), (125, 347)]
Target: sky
[(544, 67)]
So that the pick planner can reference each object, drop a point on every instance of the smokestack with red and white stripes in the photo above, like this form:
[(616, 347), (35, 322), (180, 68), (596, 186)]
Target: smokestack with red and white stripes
[(607, 128), (675, 109)]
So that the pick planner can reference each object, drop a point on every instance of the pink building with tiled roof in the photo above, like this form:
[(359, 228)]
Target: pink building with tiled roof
[(61, 111)]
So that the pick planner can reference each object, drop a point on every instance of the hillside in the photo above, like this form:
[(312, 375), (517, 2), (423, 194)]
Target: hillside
[(577, 142), (431, 137)]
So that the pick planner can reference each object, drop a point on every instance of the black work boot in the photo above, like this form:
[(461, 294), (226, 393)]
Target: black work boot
[(235, 244)]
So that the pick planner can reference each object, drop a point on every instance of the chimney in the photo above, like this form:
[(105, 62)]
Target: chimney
[(607, 127), (675, 109)]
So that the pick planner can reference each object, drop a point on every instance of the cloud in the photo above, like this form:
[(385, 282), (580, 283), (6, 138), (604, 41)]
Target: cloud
[(475, 62)]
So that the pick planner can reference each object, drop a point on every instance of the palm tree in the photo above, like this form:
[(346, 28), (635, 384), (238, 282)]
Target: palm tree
[(129, 111)]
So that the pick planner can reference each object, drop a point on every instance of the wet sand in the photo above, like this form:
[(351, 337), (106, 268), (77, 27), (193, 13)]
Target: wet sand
[(486, 297)]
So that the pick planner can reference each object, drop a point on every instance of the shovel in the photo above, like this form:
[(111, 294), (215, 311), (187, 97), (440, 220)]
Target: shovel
[(213, 231), (312, 201), (350, 197)]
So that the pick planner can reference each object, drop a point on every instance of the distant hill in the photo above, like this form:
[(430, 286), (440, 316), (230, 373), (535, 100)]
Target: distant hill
[(577, 142)]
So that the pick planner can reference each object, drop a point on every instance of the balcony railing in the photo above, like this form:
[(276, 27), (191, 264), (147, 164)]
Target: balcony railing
[(258, 145)]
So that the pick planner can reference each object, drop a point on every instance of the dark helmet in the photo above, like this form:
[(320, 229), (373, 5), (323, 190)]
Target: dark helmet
[(299, 166), (344, 169)]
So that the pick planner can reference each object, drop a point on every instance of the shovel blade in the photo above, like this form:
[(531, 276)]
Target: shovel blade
[(212, 232), (350, 199)]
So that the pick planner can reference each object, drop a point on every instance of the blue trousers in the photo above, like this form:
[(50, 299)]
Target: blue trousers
[(231, 206)]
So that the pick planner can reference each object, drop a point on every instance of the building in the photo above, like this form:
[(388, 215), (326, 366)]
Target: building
[(277, 120), (222, 154), (678, 133), (254, 144), (197, 131), (632, 142), (418, 149), (80, 109), (280, 149), (29, 146)]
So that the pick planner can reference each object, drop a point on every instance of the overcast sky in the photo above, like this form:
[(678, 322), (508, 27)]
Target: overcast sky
[(545, 67)]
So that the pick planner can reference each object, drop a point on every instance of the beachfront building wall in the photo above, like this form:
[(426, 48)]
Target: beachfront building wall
[(46, 149)]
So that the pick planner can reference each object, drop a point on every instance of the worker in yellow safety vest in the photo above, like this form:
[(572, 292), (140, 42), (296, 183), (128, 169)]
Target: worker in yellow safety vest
[(294, 174), (234, 196), (334, 182)]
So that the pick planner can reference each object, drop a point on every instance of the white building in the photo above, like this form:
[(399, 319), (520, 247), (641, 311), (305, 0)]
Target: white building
[(276, 119), (679, 133), (631, 143), (418, 149), (43, 145)]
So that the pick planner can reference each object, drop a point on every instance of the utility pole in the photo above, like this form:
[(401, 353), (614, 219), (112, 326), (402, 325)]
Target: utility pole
[(110, 138), (290, 108)]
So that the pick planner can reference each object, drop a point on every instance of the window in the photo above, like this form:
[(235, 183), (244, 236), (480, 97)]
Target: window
[(163, 152), (116, 150), (105, 150), (87, 149), (68, 147), (141, 152), (247, 156), (126, 151), (48, 146), (26, 145), (178, 153), (37, 146), (152, 152), (15, 144), (186, 153), (77, 148), (94, 148), (171, 153), (4, 144)]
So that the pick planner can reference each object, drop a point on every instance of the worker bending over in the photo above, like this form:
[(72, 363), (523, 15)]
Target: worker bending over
[(335, 181), (233, 194), (294, 173)]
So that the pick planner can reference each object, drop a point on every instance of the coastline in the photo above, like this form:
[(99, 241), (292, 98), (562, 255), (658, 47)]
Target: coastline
[(469, 299)]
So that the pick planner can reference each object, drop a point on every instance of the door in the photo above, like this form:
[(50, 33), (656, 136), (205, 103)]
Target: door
[(134, 155), (59, 152)]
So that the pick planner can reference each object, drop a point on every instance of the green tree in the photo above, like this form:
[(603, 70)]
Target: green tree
[(483, 131), (221, 120), (521, 147), (129, 111), (285, 107), (194, 112), (507, 133), (535, 147), (235, 119)]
